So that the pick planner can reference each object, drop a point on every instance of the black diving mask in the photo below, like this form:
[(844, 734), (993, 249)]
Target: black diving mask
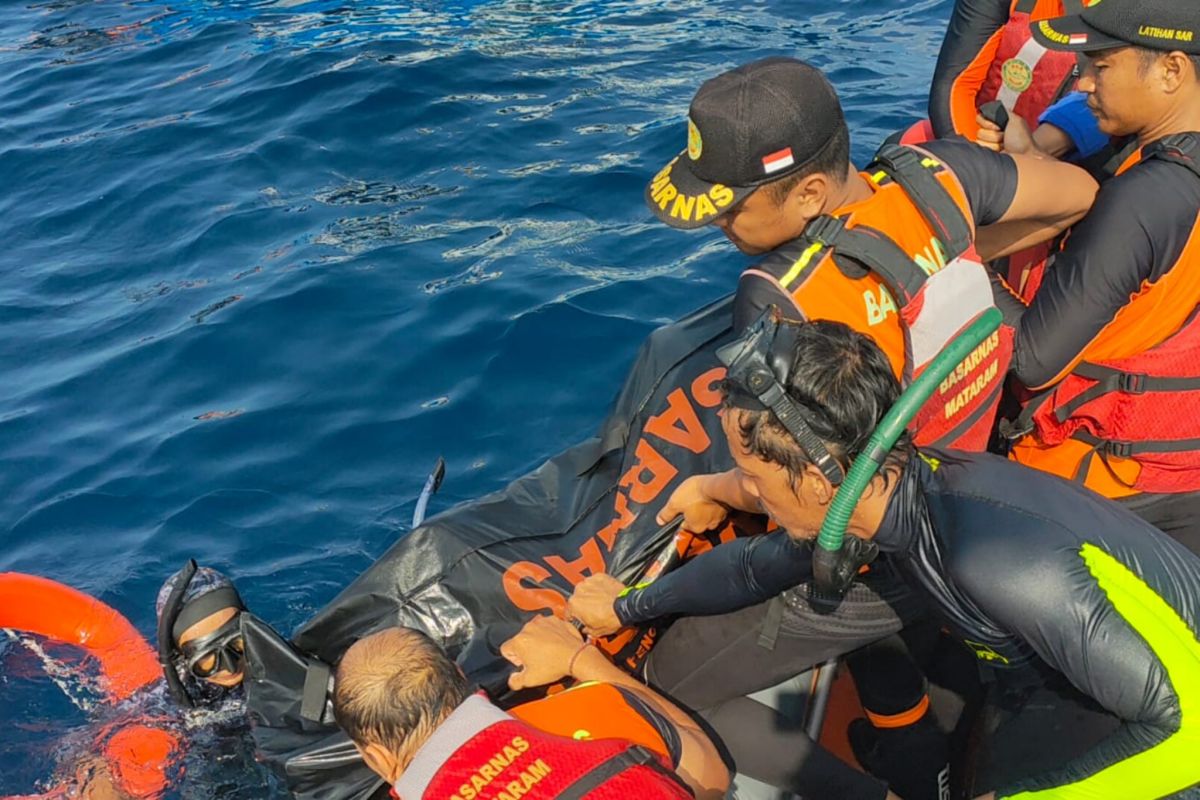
[(178, 616), (758, 366), (220, 651)]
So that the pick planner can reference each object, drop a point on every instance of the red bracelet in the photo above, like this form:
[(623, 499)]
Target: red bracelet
[(571, 663)]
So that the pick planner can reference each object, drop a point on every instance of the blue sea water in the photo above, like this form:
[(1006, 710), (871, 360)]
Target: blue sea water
[(261, 262)]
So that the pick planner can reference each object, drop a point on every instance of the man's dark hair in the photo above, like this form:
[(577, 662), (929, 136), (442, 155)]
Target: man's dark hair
[(394, 688), (833, 159), (1147, 56), (845, 384)]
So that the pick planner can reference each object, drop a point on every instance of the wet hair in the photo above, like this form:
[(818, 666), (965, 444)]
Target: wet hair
[(1147, 56), (833, 159), (845, 384), (394, 688)]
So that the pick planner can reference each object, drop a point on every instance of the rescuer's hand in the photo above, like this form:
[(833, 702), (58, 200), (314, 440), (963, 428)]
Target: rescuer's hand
[(542, 652), (1016, 138), (701, 512), (593, 604)]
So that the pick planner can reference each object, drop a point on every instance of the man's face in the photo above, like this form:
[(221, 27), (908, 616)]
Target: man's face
[(795, 507), (758, 224), (1123, 91), (204, 627)]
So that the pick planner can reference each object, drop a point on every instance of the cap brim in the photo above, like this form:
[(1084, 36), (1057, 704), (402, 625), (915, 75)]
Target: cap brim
[(682, 200), (1072, 33)]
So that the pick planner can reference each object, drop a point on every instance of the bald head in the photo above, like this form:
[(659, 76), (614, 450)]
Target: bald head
[(394, 688)]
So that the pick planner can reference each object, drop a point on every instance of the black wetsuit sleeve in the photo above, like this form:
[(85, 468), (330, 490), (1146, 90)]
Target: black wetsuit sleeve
[(972, 23), (729, 577), (1135, 232), (988, 179), (1082, 620)]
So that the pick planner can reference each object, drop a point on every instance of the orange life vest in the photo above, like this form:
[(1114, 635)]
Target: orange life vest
[(593, 710), (481, 753), (1014, 69), (1126, 419), (901, 267)]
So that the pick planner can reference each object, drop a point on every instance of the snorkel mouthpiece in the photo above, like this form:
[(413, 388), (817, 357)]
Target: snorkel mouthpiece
[(837, 559)]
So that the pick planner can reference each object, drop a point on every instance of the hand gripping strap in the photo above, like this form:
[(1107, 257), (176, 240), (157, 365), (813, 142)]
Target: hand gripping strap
[(907, 167)]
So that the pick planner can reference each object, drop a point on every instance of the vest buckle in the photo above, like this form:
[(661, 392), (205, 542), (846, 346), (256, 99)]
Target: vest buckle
[(1118, 449), (1013, 429), (824, 229), (1132, 383)]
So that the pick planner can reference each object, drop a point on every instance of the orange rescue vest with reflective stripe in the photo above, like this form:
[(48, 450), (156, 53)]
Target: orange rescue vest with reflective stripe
[(1015, 69), (592, 711), (1126, 419), (901, 267), (481, 753)]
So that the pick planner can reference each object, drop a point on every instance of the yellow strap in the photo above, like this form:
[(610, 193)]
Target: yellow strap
[(801, 263)]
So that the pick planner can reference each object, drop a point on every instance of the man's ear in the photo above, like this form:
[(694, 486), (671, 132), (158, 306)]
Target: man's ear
[(381, 761), (807, 198), (818, 484), (1174, 68)]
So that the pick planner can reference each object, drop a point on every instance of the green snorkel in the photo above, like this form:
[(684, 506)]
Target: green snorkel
[(833, 570)]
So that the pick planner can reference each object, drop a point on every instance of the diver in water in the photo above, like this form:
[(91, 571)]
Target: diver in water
[(200, 641)]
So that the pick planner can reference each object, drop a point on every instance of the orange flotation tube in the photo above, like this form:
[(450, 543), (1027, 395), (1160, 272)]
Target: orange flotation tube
[(136, 753)]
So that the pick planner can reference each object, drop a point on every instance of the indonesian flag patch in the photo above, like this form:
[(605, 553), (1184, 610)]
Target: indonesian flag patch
[(780, 159), (1078, 38)]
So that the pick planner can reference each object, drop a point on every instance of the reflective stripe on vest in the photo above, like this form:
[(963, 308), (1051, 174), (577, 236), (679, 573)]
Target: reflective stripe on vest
[(481, 753), (930, 275), (1127, 425)]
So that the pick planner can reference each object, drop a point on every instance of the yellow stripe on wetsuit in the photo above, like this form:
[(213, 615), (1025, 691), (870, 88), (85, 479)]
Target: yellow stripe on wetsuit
[(1169, 766)]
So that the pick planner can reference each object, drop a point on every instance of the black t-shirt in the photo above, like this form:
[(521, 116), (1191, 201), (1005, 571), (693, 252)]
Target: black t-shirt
[(988, 179), (1134, 234)]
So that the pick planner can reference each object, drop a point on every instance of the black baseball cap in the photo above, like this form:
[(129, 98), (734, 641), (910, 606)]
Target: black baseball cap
[(1107, 24), (752, 125)]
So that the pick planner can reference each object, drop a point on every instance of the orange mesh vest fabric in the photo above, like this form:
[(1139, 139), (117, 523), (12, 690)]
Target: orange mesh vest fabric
[(1013, 68), (1156, 335)]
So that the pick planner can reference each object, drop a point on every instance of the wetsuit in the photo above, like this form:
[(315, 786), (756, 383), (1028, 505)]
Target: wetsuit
[(1122, 286), (1022, 568), (707, 662)]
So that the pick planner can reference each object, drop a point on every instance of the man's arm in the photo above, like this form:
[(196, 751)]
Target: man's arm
[(749, 570), (548, 649), (1102, 625), (969, 47), (1016, 200)]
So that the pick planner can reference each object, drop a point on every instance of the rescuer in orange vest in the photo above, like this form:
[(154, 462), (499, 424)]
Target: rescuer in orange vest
[(413, 717), (894, 251), (990, 54), (1111, 344)]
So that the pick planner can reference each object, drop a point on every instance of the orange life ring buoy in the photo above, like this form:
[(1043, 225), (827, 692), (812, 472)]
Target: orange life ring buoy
[(137, 753)]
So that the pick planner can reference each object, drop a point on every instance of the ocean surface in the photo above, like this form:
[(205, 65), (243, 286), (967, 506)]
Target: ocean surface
[(261, 263)]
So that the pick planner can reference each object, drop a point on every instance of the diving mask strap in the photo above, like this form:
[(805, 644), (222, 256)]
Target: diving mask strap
[(788, 413)]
